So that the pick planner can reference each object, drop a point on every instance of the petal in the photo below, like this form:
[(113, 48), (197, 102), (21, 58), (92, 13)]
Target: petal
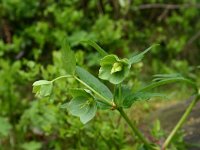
[(104, 72), (109, 60), (124, 61), (117, 78), (126, 70)]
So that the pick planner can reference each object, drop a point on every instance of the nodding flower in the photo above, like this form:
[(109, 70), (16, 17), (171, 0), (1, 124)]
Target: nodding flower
[(113, 69)]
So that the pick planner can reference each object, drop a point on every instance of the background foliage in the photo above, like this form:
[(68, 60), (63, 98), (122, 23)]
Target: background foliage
[(32, 33)]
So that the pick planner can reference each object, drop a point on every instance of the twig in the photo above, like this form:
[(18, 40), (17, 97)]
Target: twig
[(7, 32), (167, 6), (100, 6), (180, 122), (164, 13), (193, 38)]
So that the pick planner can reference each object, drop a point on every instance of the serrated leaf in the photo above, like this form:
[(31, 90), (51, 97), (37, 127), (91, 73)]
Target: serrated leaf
[(95, 46), (94, 83), (139, 57), (130, 99), (83, 108), (68, 58)]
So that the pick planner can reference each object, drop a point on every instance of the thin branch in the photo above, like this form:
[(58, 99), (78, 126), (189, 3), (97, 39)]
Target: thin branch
[(193, 38), (168, 6), (164, 14), (180, 122), (7, 32), (135, 130)]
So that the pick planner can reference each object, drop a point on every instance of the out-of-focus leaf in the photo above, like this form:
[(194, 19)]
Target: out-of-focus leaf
[(163, 81), (4, 127), (96, 46), (68, 57), (159, 77), (31, 146)]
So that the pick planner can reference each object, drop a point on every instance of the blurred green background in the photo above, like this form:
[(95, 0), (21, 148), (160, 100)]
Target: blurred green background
[(31, 34)]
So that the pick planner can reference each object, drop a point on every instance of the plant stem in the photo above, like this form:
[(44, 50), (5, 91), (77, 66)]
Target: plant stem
[(134, 128), (120, 94), (180, 123), (99, 95), (66, 76)]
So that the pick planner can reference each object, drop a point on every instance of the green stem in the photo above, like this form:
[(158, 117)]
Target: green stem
[(65, 76), (99, 95), (106, 101), (180, 123), (120, 94), (134, 129)]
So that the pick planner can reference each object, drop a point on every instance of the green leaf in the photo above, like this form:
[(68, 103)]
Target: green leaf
[(126, 93), (92, 82), (159, 77), (96, 46), (4, 127), (103, 106), (130, 99), (167, 81), (42, 88), (139, 57), (83, 108), (68, 57), (33, 145), (76, 92)]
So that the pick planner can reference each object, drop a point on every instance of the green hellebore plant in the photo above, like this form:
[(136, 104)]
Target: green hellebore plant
[(114, 69), (85, 102)]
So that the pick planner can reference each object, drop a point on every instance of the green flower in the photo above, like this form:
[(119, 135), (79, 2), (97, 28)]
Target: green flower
[(42, 88), (114, 69)]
